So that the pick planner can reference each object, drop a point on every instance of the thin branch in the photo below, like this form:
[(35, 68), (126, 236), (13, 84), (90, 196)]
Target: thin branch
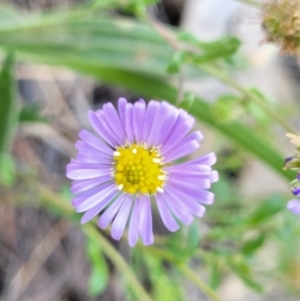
[(118, 261)]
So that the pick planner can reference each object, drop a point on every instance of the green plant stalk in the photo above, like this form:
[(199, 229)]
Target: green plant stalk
[(198, 281), (184, 269), (118, 260)]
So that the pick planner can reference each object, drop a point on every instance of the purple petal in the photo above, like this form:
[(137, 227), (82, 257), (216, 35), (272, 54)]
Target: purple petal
[(93, 200), (90, 139), (120, 220), (192, 175), (191, 191), (214, 177), (133, 231), (294, 206), (288, 159), (185, 201), (91, 213), (195, 136), (145, 225), (192, 182), (106, 124), (209, 159), (155, 123), (204, 197), (79, 199), (154, 131), (192, 169), (183, 125), (114, 123), (177, 208), (83, 185), (166, 215), (84, 147), (129, 123), (85, 157), (122, 109), (111, 211), (139, 110), (296, 191), (100, 129), (201, 196), (181, 151), (84, 171), (152, 110), (167, 119)]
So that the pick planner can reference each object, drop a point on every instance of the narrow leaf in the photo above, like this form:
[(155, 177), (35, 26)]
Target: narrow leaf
[(99, 270), (8, 118), (267, 209)]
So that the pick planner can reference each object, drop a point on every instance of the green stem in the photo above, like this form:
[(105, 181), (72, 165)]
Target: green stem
[(119, 262), (198, 281), (185, 270)]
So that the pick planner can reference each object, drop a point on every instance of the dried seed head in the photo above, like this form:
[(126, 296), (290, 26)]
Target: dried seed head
[(281, 21)]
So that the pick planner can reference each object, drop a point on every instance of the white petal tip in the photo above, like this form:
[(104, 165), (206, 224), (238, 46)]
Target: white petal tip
[(214, 177), (132, 243), (174, 229), (149, 242), (116, 236)]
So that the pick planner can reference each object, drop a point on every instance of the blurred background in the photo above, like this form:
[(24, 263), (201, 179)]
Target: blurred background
[(61, 58)]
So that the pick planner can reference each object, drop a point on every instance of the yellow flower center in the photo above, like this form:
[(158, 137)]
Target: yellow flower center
[(138, 169)]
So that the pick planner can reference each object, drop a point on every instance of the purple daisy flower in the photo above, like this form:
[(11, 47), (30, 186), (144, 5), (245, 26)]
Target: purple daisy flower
[(133, 164)]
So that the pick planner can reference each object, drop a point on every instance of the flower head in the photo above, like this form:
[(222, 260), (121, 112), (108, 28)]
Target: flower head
[(133, 164), (281, 20)]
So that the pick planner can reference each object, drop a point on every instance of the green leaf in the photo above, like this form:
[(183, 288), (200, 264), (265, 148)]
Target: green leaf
[(267, 209), (221, 48), (193, 238), (8, 112), (164, 286), (7, 170), (176, 62), (243, 271), (215, 275), (8, 119), (99, 271), (227, 108), (187, 102), (30, 113), (253, 244)]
